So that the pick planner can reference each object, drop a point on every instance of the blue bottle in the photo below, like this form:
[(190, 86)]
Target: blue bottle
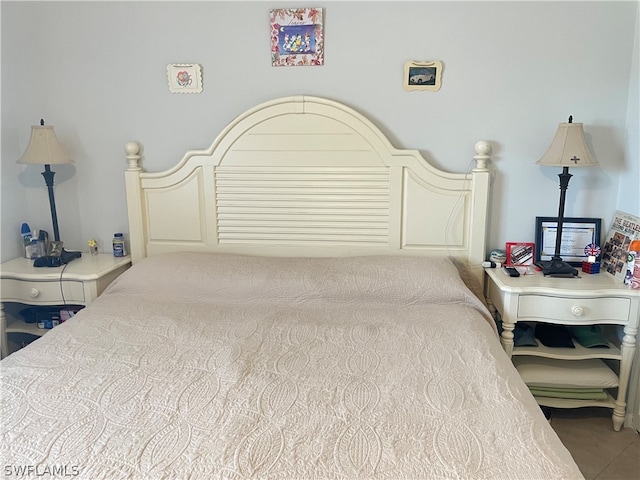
[(119, 249), (25, 231)]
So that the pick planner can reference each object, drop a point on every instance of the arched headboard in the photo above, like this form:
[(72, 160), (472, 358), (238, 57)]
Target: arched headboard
[(307, 176)]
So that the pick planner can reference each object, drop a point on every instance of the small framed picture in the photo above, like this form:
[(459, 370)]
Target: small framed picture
[(519, 253), (297, 37), (578, 235), (184, 78), (422, 75), (55, 248)]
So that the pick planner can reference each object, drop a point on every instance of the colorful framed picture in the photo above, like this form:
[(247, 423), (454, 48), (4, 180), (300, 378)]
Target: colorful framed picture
[(297, 37), (184, 78), (423, 75), (578, 235), (519, 253)]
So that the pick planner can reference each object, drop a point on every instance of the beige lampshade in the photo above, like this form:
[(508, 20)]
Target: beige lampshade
[(569, 148), (44, 148)]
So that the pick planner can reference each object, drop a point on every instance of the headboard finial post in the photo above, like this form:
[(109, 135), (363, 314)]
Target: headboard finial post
[(482, 148), (133, 155)]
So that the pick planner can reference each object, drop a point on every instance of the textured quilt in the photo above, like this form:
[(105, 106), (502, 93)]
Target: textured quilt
[(216, 366)]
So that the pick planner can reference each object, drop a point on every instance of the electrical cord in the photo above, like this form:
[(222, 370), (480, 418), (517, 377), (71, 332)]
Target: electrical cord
[(64, 301), (454, 209)]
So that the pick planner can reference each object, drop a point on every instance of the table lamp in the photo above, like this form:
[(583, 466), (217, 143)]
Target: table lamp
[(44, 149), (568, 149)]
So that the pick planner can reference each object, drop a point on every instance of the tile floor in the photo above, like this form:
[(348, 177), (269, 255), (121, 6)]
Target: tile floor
[(601, 453)]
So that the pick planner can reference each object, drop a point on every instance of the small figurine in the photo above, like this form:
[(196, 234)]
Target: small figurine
[(93, 247)]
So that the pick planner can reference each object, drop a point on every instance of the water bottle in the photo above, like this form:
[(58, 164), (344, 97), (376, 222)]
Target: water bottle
[(119, 249)]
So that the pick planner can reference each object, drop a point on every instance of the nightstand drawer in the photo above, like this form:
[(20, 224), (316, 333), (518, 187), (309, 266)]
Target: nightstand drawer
[(574, 309), (42, 292)]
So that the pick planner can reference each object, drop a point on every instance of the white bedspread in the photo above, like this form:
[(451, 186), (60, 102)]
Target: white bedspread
[(216, 366)]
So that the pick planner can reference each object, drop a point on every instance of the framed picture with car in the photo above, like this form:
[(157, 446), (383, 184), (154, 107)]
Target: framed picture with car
[(423, 75)]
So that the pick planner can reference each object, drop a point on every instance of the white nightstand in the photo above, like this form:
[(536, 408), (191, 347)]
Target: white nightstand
[(597, 299), (77, 283)]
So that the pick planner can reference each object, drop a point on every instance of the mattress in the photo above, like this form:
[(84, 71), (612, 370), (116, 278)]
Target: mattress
[(214, 366)]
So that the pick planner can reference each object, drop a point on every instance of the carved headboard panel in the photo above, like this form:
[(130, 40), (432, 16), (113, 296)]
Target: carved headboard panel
[(307, 176)]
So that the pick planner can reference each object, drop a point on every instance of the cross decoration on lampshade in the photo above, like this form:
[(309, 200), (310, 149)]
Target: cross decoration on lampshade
[(568, 149), (44, 149)]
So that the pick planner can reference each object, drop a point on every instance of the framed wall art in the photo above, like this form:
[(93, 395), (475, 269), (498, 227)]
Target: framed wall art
[(297, 37), (184, 78), (577, 235), (422, 76)]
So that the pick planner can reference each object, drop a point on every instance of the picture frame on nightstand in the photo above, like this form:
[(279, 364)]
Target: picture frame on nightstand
[(519, 254), (624, 228), (577, 233)]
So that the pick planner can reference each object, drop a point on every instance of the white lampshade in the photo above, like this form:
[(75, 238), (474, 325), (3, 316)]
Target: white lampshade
[(569, 148), (44, 148)]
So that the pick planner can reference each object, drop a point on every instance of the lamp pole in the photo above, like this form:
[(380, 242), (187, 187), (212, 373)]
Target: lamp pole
[(48, 179), (564, 177)]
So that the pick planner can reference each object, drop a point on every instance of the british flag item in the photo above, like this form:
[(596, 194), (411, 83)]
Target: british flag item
[(592, 250)]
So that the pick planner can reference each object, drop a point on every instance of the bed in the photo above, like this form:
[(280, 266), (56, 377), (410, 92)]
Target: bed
[(305, 302)]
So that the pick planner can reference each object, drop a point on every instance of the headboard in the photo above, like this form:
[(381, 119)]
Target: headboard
[(307, 176)]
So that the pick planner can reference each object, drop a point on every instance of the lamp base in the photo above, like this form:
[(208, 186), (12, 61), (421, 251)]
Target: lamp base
[(68, 256), (556, 267), (56, 260)]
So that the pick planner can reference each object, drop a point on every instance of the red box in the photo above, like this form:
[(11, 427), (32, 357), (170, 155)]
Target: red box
[(519, 253)]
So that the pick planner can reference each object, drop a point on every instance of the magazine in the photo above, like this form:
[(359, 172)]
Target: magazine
[(624, 228)]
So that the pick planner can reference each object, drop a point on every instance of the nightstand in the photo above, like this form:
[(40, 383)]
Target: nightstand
[(77, 283), (597, 299)]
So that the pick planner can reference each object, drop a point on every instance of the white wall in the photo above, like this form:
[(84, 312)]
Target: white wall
[(512, 72), (629, 190)]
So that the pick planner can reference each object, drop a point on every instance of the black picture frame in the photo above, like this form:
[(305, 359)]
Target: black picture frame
[(575, 231)]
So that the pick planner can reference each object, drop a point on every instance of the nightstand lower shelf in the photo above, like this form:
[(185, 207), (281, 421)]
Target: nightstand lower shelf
[(14, 323), (16, 341), (18, 332), (574, 403), (577, 353)]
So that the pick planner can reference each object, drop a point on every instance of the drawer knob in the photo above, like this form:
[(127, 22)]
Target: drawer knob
[(577, 311), (34, 292)]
